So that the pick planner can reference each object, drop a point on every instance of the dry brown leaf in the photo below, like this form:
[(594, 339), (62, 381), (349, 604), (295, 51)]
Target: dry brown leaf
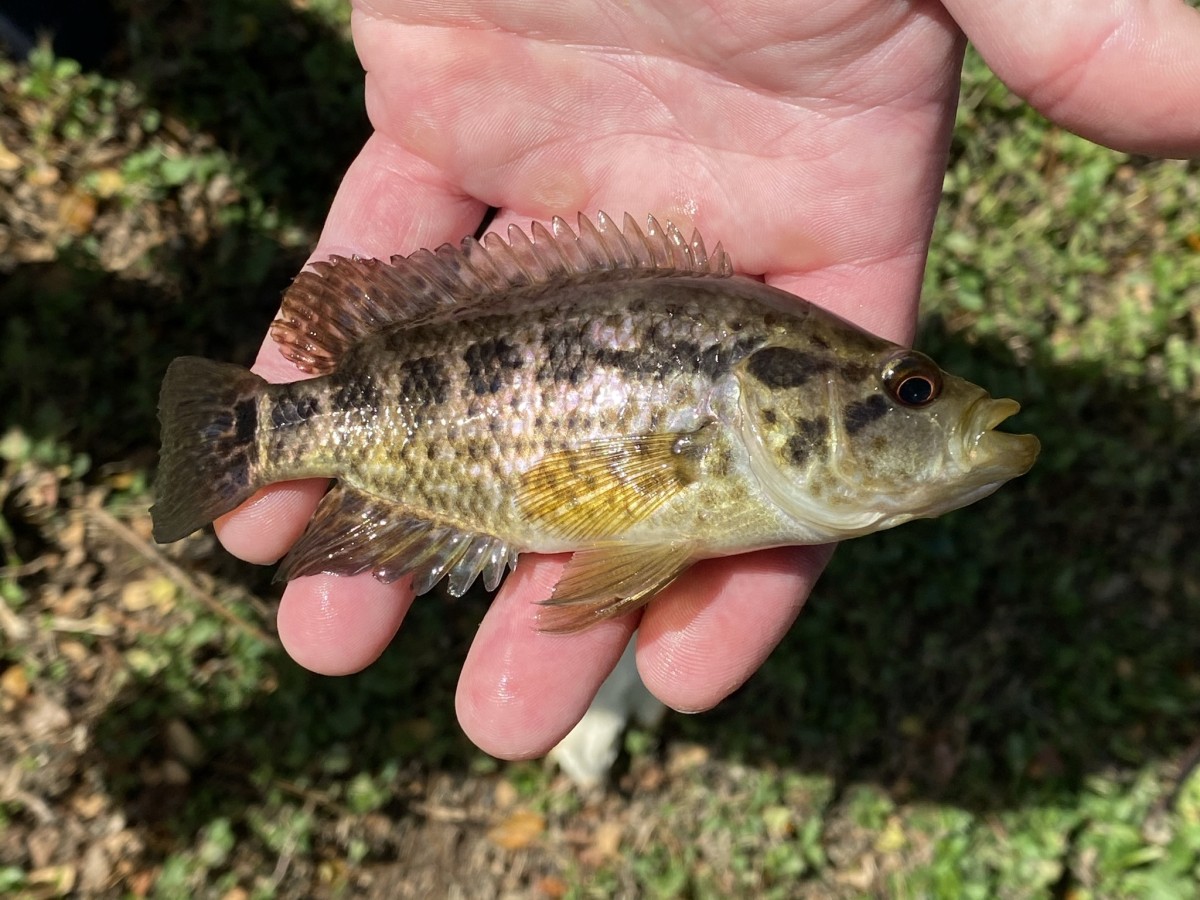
[(604, 846), (90, 805), (504, 795), (9, 161), (14, 684), (518, 831), (686, 757), (183, 743), (552, 886), (76, 212), (43, 175), (109, 182), (58, 879), (148, 593)]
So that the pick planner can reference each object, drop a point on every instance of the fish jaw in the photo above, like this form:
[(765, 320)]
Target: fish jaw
[(970, 462), (980, 461), (992, 455)]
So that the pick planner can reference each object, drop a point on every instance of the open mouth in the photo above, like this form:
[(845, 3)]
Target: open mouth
[(986, 447)]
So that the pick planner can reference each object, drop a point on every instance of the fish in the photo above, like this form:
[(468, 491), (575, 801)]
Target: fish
[(614, 391)]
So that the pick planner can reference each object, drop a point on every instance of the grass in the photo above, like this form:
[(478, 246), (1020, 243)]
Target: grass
[(1001, 703)]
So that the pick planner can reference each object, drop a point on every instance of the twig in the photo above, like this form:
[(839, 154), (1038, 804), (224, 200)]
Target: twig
[(12, 792), (438, 813), (93, 626), (12, 624), (288, 851), (178, 577), (311, 797)]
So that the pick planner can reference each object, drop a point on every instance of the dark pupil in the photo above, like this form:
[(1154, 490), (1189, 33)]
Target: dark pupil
[(915, 390)]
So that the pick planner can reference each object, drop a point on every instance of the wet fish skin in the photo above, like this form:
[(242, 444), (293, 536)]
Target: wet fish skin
[(645, 413), (446, 418)]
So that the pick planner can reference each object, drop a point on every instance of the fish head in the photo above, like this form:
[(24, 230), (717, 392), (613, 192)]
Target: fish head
[(853, 437)]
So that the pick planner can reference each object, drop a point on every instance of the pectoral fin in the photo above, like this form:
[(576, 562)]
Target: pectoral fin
[(353, 531), (609, 581), (604, 487)]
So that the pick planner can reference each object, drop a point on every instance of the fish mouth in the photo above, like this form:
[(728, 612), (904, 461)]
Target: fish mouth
[(999, 452)]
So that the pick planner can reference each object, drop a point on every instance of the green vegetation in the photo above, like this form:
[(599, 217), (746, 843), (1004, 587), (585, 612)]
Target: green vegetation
[(1001, 703)]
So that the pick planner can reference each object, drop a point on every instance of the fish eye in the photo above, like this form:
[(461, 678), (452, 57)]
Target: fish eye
[(912, 379)]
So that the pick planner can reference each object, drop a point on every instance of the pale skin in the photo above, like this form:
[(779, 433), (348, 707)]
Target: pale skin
[(810, 137)]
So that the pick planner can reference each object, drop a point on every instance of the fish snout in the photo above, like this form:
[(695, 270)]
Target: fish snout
[(985, 448)]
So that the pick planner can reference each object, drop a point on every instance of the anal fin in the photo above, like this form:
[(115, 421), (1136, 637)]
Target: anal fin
[(353, 531), (611, 580)]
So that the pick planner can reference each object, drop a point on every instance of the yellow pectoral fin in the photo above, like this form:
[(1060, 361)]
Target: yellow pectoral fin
[(609, 581), (604, 487)]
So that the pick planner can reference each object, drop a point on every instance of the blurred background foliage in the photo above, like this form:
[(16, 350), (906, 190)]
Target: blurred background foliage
[(1003, 702)]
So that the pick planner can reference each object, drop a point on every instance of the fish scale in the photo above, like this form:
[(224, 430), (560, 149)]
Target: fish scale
[(619, 393), (505, 403)]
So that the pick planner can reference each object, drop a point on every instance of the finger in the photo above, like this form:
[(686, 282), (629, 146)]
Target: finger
[(813, 187), (1124, 74), (394, 202), (264, 528), (880, 297), (709, 631), (522, 690), (335, 625), (389, 202)]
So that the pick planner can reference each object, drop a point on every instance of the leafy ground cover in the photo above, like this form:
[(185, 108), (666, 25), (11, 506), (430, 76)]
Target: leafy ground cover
[(1001, 703)]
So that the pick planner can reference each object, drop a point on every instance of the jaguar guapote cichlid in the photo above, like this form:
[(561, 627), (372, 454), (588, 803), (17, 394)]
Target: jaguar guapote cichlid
[(618, 392)]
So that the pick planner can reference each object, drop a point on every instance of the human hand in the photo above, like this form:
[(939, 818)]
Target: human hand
[(809, 137)]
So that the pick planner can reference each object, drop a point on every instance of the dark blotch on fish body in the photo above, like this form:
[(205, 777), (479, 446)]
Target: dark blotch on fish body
[(631, 362), (424, 380), (807, 438), (715, 361), (288, 411), (861, 414), (487, 361), (246, 419), (782, 368), (571, 355), (562, 351), (357, 392)]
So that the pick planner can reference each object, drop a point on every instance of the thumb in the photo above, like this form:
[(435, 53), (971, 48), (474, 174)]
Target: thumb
[(1126, 75)]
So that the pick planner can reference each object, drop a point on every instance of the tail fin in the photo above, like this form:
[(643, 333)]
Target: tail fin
[(209, 416)]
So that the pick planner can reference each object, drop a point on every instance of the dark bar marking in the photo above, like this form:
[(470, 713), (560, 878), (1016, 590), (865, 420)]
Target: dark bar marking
[(782, 368), (488, 361), (358, 391), (861, 414), (424, 380), (808, 437), (245, 421), (288, 410)]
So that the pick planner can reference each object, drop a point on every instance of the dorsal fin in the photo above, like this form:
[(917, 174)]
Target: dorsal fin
[(337, 303)]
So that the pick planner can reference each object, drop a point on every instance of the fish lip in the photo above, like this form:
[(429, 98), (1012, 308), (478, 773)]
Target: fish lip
[(985, 448)]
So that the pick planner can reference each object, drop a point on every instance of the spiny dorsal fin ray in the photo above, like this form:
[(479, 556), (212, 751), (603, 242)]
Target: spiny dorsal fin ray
[(609, 581), (337, 303), (353, 531)]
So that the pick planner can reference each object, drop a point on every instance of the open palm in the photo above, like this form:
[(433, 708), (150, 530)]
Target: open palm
[(808, 136)]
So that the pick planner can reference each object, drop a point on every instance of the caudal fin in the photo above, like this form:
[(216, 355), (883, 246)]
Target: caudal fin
[(209, 416)]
